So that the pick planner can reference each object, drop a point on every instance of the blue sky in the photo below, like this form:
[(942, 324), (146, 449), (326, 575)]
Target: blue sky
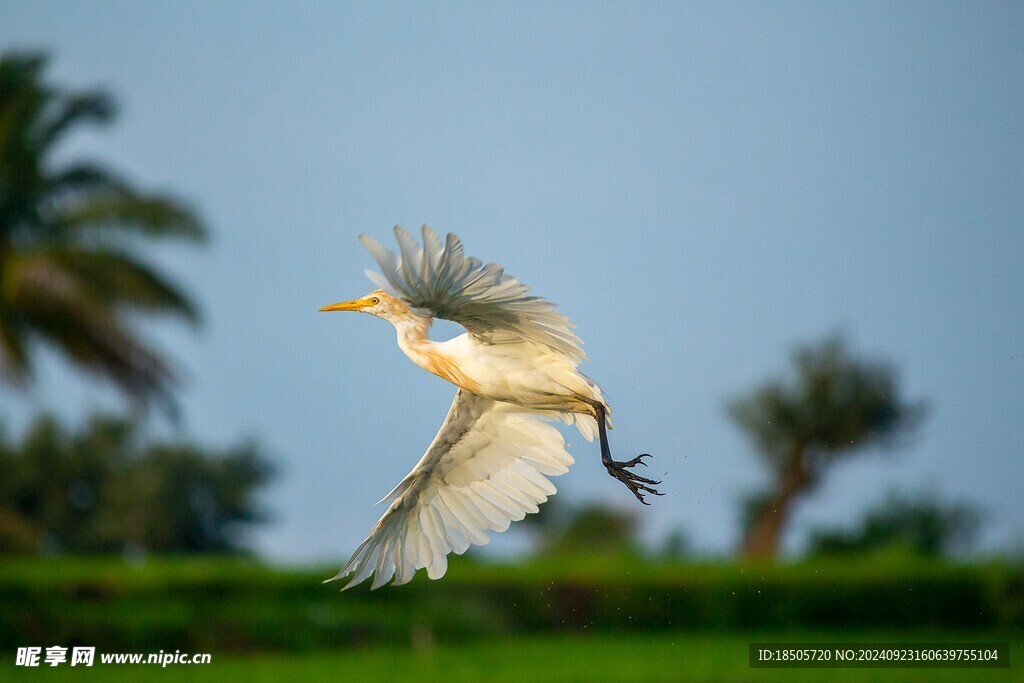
[(699, 186)]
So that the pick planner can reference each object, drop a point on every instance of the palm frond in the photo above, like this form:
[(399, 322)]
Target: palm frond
[(149, 215), (15, 362), (85, 177), (118, 280), (94, 106), (58, 309)]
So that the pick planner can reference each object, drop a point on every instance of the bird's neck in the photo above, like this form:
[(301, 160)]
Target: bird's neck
[(415, 342), (413, 334)]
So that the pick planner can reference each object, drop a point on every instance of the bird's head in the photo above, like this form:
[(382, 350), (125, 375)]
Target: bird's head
[(378, 303)]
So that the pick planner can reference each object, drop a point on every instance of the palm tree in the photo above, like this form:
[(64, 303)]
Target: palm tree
[(69, 277), (837, 405)]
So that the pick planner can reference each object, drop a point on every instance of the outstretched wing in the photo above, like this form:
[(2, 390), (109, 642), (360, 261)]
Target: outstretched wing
[(487, 467), (441, 281)]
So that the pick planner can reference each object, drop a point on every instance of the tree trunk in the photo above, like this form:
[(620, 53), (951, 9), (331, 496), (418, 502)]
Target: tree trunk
[(765, 532)]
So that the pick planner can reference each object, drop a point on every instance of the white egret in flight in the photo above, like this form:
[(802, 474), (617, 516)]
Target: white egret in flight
[(515, 368)]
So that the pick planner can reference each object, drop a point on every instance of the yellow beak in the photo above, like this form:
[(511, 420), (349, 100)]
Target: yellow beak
[(354, 305)]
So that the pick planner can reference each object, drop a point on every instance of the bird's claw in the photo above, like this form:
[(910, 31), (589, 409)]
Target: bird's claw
[(634, 482), (638, 460)]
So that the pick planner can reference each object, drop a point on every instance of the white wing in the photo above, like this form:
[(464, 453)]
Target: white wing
[(441, 281), (487, 467)]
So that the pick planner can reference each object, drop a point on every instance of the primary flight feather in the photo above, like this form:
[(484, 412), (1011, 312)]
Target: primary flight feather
[(515, 369)]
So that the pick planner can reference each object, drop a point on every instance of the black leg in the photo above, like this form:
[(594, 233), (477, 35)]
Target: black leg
[(620, 470)]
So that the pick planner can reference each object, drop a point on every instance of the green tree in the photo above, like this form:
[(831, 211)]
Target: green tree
[(835, 406), (103, 489), (923, 525), (587, 529), (69, 230)]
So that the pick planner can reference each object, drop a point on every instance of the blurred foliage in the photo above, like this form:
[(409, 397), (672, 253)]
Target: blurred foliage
[(925, 525), (69, 230), (219, 605), (676, 546), (589, 529), (834, 406), (102, 490)]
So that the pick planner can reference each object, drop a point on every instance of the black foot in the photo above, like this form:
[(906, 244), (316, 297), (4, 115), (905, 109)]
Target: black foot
[(634, 482)]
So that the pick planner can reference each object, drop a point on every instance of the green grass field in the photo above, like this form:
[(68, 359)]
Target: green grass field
[(631, 657), (614, 620)]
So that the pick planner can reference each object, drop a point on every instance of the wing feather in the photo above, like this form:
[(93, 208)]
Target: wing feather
[(467, 525), (497, 519), (474, 520), (487, 467), (439, 280)]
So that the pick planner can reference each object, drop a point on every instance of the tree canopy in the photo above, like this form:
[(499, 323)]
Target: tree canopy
[(923, 525), (834, 405), (70, 274), (104, 489)]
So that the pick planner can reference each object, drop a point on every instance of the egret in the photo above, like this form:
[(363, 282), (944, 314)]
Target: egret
[(515, 369)]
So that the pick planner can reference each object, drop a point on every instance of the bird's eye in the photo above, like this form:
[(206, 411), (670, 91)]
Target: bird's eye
[(374, 301)]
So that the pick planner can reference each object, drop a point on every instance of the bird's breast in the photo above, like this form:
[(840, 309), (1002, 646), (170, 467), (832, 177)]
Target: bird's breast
[(447, 368), (428, 356)]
